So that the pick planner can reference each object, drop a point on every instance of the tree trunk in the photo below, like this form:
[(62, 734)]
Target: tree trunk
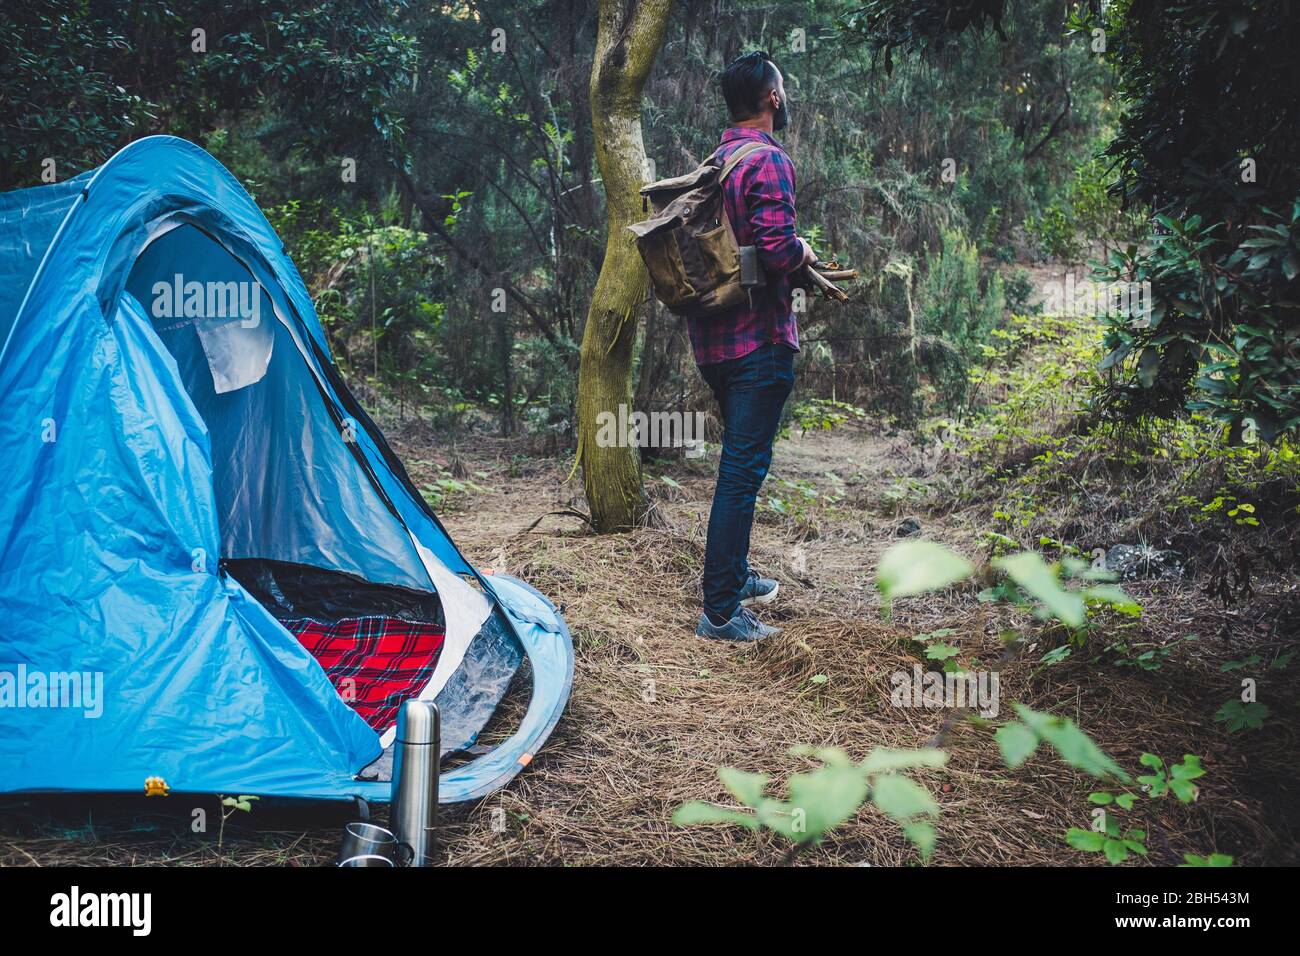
[(628, 37), (649, 367), (505, 346)]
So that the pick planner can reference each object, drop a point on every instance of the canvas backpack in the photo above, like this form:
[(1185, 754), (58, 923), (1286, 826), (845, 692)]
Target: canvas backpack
[(688, 245)]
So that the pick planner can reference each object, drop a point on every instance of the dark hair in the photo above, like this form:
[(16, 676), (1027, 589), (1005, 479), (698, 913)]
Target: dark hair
[(745, 81)]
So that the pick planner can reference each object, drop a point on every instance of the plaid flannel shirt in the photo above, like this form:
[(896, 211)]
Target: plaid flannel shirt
[(759, 200), (374, 663)]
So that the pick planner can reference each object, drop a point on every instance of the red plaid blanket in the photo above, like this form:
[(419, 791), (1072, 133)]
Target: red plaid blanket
[(374, 663)]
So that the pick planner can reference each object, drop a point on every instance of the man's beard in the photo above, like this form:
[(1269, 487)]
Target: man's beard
[(780, 117)]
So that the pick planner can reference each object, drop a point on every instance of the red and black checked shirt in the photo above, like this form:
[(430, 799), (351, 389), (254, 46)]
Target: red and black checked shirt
[(759, 200), (374, 663)]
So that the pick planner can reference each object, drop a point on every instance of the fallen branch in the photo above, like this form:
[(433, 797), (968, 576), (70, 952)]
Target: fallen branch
[(567, 512)]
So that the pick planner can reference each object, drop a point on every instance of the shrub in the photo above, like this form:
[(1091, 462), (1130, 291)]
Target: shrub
[(959, 305)]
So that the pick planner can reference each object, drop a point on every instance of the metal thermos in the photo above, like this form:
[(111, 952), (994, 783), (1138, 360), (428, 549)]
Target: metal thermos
[(414, 809)]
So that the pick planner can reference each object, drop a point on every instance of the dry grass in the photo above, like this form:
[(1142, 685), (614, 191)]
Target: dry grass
[(655, 710)]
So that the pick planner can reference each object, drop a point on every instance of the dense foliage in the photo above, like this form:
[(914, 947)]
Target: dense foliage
[(79, 79), (454, 263), (1209, 140), (1207, 137), (432, 170)]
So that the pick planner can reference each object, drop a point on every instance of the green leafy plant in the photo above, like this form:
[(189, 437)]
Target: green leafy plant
[(1018, 740), (1057, 654), (794, 500), (444, 491), (1248, 370), (1162, 780), (1056, 232), (822, 414), (1147, 657), (1113, 843), (1175, 778), (960, 304), (916, 567), (229, 807), (1279, 662), (824, 798), (1040, 586), (1020, 291), (1242, 715)]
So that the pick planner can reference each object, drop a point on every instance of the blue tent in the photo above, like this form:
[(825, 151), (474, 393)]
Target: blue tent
[(185, 472)]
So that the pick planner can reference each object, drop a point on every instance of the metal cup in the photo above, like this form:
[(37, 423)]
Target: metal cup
[(367, 859), (362, 840)]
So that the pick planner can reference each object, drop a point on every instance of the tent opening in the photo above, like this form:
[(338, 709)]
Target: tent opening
[(302, 528)]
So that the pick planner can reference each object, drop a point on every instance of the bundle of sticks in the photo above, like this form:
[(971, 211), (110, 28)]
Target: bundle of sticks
[(822, 276)]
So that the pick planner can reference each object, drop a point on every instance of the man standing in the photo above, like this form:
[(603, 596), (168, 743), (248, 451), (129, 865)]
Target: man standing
[(747, 355)]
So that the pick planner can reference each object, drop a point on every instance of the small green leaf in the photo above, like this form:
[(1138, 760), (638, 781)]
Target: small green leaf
[(745, 787), (696, 812), (1057, 654), (1238, 715), (1184, 790), (1189, 769), (922, 835), (901, 797), (1085, 840), (1114, 596), (915, 567), (1156, 785), (1017, 743), (827, 797), (882, 760), (1074, 746), (1035, 576), (1115, 851)]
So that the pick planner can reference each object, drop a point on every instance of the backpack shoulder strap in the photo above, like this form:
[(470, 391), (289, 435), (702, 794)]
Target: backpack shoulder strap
[(749, 149)]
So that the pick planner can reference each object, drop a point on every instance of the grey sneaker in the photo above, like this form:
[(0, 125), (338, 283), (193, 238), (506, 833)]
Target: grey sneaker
[(743, 626), (758, 590)]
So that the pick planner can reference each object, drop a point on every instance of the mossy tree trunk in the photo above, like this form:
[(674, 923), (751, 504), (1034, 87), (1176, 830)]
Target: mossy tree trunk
[(628, 37)]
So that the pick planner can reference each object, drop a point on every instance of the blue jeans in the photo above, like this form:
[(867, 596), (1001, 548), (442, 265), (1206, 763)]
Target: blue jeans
[(751, 392)]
